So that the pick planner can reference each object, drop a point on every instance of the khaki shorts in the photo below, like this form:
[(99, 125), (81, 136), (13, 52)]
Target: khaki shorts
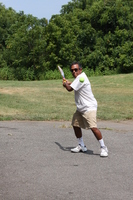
[(85, 120)]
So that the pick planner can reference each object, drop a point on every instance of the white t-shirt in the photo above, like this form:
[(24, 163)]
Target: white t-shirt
[(84, 98)]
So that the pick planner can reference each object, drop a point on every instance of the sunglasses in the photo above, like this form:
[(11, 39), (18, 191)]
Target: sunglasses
[(75, 69)]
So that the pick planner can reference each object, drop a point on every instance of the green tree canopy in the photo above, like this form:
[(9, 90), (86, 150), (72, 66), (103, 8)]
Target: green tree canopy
[(99, 34)]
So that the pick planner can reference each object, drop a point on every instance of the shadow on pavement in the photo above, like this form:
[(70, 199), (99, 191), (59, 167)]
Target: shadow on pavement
[(90, 152)]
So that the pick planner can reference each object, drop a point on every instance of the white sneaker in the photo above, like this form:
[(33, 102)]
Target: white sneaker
[(104, 152), (78, 149)]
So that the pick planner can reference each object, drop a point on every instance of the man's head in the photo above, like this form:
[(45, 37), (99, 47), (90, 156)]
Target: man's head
[(76, 69)]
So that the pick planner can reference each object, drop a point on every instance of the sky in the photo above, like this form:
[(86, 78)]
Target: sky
[(37, 8)]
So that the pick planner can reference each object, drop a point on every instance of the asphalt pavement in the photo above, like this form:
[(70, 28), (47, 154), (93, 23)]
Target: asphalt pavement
[(36, 162)]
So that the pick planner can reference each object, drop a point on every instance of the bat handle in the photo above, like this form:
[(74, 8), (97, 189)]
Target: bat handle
[(64, 80)]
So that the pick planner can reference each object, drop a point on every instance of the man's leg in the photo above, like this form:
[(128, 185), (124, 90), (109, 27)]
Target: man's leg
[(98, 135), (81, 146), (77, 131)]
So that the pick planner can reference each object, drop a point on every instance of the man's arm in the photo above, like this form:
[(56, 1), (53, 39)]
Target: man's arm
[(67, 84)]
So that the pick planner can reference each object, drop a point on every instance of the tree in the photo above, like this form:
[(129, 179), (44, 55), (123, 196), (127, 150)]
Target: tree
[(26, 46), (99, 34)]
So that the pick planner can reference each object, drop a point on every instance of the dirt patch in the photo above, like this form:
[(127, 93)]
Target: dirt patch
[(16, 90)]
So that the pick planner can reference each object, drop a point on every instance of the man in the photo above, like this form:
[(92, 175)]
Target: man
[(85, 115)]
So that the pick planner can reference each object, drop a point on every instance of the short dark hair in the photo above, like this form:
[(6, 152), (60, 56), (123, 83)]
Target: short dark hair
[(76, 63)]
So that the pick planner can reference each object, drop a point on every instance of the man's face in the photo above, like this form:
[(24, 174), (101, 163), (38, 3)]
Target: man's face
[(75, 70)]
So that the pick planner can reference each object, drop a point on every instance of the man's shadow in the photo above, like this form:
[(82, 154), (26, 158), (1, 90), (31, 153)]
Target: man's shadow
[(90, 152)]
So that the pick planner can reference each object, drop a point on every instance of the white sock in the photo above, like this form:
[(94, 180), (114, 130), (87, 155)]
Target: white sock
[(102, 143), (81, 142)]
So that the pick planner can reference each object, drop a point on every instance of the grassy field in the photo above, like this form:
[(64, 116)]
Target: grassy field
[(48, 100)]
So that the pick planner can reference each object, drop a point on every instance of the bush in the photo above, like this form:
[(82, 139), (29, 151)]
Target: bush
[(6, 74), (50, 75)]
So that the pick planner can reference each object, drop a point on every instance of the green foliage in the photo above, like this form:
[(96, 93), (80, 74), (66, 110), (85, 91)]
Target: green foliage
[(99, 34), (52, 75)]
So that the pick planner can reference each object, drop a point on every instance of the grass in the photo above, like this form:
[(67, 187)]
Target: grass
[(48, 100)]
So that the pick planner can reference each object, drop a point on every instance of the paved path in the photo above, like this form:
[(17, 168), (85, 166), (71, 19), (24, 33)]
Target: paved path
[(36, 162)]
